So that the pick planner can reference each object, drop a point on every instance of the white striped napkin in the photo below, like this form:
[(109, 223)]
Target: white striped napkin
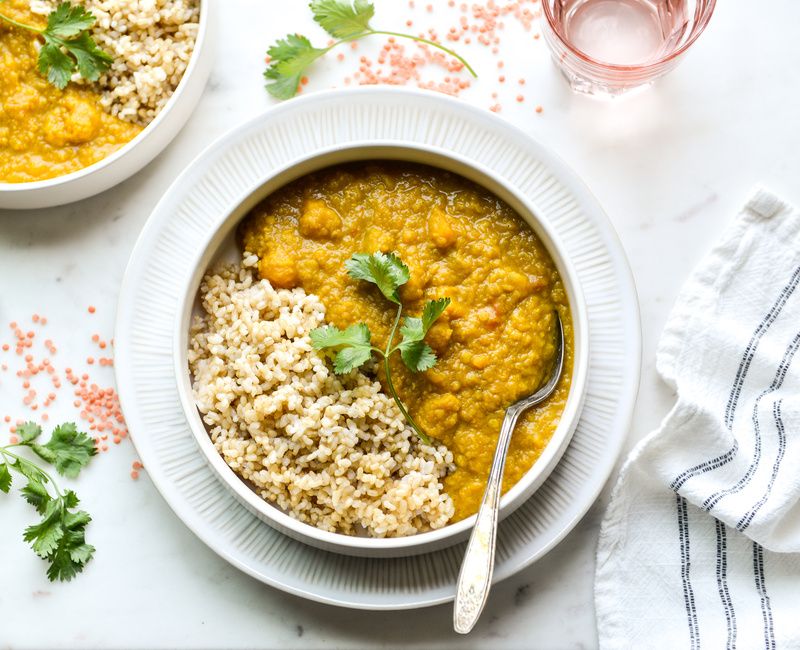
[(700, 547)]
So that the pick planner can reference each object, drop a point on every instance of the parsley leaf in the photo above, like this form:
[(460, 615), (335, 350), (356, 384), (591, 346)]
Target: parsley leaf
[(344, 20), (68, 45), (387, 271), (340, 19), (5, 478), (68, 450), (289, 58), (354, 345)]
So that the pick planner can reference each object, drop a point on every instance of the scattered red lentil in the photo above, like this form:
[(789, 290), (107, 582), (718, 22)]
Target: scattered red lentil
[(92, 309), (98, 406), (397, 64)]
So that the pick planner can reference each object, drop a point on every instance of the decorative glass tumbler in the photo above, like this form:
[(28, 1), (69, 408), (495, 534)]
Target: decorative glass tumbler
[(609, 47)]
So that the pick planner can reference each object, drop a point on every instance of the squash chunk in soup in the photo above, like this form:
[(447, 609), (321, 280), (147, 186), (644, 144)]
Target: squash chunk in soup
[(495, 343)]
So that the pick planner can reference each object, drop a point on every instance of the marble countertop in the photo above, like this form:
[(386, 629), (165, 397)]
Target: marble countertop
[(671, 166)]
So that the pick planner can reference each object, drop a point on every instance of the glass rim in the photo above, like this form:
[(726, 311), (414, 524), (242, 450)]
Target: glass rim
[(700, 27)]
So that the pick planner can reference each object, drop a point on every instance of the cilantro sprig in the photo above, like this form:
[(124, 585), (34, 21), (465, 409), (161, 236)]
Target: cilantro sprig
[(291, 56), (60, 535), (68, 45), (353, 346)]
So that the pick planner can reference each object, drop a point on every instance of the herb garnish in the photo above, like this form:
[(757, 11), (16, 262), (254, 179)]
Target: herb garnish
[(59, 537), (67, 46), (290, 56), (353, 345)]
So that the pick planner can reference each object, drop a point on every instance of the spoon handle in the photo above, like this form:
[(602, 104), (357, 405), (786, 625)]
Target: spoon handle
[(475, 577)]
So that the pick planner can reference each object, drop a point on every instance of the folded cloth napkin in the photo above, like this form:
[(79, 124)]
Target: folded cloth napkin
[(700, 546)]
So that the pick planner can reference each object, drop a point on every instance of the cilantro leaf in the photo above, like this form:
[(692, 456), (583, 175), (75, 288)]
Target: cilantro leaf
[(68, 45), (28, 432), (354, 345), (415, 329), (417, 355), (29, 470), (68, 21), (348, 359), (386, 270), (72, 552), (341, 19), (60, 535), (432, 310), (44, 536), (330, 336), (289, 58), (68, 450), (56, 65), (91, 60), (5, 478), (346, 21), (36, 494), (69, 557)]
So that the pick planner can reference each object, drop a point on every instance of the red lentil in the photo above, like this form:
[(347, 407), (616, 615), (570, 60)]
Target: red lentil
[(98, 406)]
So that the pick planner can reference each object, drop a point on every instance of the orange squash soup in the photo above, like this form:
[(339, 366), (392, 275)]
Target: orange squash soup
[(495, 343)]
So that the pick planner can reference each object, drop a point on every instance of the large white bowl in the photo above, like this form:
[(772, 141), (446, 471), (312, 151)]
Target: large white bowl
[(220, 245), (134, 155)]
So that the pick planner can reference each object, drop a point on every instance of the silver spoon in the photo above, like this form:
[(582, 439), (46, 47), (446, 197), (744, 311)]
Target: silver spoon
[(475, 578)]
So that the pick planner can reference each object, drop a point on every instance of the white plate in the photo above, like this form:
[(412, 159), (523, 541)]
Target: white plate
[(209, 190)]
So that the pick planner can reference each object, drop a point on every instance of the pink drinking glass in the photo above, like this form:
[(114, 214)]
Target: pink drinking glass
[(609, 47)]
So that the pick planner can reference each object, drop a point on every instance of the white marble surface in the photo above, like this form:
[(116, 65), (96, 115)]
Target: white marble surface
[(670, 166)]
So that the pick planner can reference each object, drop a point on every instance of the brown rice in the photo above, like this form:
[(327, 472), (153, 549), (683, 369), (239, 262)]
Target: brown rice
[(151, 42), (334, 452)]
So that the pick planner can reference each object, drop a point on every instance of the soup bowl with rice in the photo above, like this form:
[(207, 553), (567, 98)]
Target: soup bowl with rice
[(62, 145), (328, 458)]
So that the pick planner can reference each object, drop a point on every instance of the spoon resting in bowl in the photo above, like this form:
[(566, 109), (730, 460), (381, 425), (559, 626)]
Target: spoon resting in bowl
[(475, 578)]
